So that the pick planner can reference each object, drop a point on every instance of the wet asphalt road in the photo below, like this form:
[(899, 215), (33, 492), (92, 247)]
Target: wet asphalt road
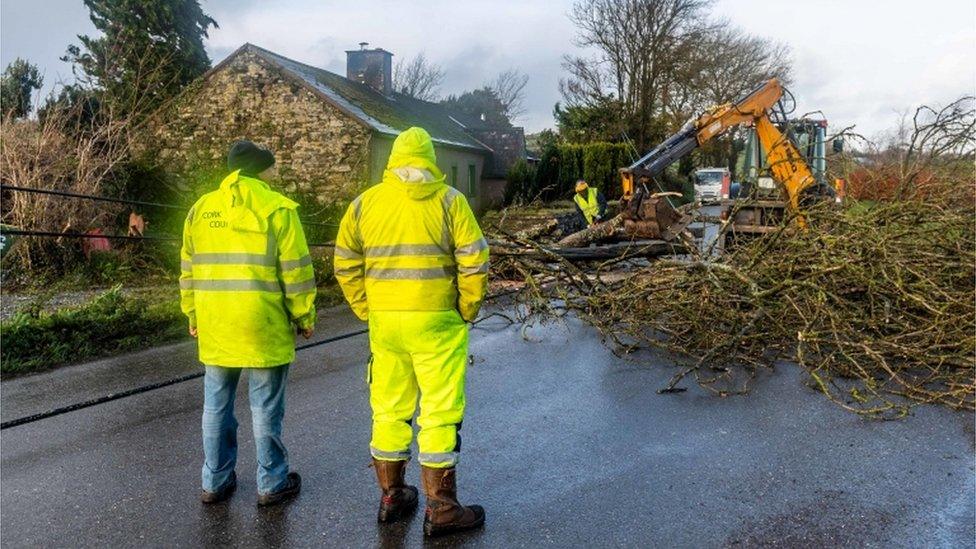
[(564, 444)]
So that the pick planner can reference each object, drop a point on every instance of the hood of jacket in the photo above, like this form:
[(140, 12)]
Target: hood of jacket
[(251, 201), (412, 166)]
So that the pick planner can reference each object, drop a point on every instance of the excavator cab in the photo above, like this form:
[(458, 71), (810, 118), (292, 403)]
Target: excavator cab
[(808, 135), (762, 203)]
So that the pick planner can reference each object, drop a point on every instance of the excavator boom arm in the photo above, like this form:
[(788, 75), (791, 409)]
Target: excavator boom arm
[(720, 118), (786, 162)]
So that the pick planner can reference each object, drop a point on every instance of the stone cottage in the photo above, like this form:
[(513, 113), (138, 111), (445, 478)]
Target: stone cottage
[(331, 134)]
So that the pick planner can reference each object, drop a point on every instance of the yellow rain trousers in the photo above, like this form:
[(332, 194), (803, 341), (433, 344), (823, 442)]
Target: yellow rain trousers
[(246, 275), (411, 260), (425, 351)]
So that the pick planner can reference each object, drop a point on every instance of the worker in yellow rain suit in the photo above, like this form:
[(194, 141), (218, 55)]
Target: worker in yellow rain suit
[(590, 203), (411, 260), (246, 279)]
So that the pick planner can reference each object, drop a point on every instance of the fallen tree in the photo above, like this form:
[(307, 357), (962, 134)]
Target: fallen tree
[(874, 300), (876, 304)]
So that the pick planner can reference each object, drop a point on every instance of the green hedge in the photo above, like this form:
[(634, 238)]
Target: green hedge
[(560, 166), (111, 323)]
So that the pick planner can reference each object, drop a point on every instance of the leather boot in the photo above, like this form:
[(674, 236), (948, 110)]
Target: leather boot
[(444, 514), (398, 498), (293, 486)]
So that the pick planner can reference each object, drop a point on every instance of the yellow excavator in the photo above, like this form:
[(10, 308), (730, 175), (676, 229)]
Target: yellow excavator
[(648, 214)]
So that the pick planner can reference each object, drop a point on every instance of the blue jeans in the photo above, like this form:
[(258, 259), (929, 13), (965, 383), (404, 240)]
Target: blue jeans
[(266, 388)]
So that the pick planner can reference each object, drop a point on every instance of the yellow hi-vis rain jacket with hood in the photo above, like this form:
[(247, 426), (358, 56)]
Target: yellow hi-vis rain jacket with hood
[(411, 259), (246, 275), (412, 243)]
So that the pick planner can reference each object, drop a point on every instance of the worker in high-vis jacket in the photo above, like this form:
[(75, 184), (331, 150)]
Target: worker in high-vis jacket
[(590, 203), (412, 261), (246, 285)]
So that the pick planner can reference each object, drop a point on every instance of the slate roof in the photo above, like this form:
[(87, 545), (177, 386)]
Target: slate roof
[(386, 115), (470, 122)]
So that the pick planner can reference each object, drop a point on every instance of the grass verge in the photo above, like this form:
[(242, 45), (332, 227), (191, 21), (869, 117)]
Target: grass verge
[(111, 323)]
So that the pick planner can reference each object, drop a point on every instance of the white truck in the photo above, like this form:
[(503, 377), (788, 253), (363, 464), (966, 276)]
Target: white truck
[(709, 183)]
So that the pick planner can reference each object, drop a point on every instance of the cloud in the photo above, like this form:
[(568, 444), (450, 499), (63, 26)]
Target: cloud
[(864, 63), (858, 62), (472, 41)]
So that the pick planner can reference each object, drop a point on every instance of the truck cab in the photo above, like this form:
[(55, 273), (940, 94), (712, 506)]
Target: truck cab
[(709, 183)]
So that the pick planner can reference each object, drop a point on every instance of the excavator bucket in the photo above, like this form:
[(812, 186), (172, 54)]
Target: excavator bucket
[(652, 216)]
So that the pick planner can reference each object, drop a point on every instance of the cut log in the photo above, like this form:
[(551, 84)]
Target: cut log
[(595, 233), (542, 229), (639, 248)]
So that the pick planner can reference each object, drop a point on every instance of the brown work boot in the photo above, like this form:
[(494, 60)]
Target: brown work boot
[(444, 514), (398, 498), (223, 493), (292, 487)]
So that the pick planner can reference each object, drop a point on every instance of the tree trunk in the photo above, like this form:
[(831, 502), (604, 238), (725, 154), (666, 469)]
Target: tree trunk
[(592, 234)]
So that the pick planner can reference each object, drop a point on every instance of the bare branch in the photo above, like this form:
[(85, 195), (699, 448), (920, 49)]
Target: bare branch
[(509, 86), (418, 78)]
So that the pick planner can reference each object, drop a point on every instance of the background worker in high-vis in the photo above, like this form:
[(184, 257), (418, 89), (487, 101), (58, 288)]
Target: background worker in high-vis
[(590, 203), (411, 260), (246, 282)]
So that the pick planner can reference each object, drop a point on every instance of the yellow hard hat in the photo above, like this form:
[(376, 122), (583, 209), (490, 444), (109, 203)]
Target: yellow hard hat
[(581, 186)]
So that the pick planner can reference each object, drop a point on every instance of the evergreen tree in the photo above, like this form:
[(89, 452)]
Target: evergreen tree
[(79, 108), (17, 84), (149, 50), (482, 104)]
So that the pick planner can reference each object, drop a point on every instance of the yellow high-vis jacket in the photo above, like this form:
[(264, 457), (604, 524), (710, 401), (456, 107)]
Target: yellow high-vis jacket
[(246, 275), (412, 243), (590, 206)]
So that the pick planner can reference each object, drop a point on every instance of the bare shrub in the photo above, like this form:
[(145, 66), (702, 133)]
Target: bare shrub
[(56, 154), (929, 156)]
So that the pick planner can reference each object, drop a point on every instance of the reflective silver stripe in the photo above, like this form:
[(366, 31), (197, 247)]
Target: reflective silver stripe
[(447, 235), (357, 212), (289, 264), (483, 268), (357, 207), (346, 253), (186, 265), (410, 274), (449, 197), (272, 250), (186, 283), (236, 285), (299, 287), (404, 249), (382, 454), (349, 271), (233, 258), (479, 245), (439, 458)]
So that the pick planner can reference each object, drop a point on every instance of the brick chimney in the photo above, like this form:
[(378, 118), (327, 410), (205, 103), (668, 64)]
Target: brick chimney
[(371, 67)]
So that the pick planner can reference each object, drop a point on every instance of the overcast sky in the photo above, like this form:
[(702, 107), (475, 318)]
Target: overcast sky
[(859, 61)]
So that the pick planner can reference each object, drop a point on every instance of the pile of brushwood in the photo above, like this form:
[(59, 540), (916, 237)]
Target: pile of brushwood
[(874, 301)]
